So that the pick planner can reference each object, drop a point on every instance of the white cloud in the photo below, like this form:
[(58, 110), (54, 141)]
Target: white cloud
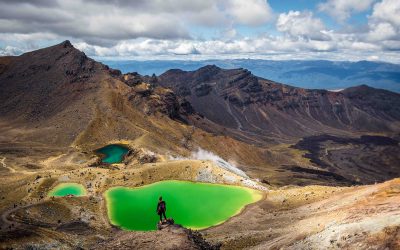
[(184, 49), (301, 24), (384, 24), (228, 34), (381, 31), (387, 10), (261, 47), (10, 51), (342, 9), (250, 12)]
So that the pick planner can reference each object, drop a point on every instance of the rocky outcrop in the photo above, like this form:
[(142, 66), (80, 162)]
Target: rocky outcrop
[(170, 237), (152, 100), (203, 89)]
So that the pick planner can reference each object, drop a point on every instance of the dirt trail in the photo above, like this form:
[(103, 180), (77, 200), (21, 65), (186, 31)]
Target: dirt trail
[(8, 213), (3, 162)]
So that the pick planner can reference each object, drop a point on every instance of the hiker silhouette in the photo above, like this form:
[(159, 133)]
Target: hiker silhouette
[(161, 209)]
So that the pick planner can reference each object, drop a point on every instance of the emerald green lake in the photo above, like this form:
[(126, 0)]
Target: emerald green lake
[(65, 189), (193, 205), (113, 153)]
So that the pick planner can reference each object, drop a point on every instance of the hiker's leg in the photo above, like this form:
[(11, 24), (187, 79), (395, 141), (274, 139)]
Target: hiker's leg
[(165, 217), (160, 216)]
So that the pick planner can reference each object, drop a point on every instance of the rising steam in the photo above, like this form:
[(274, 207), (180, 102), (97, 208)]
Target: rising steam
[(205, 155)]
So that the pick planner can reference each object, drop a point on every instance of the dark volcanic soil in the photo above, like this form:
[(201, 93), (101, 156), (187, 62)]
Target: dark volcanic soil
[(364, 160)]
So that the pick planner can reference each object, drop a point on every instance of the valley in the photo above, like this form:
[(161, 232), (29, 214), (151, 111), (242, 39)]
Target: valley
[(325, 165)]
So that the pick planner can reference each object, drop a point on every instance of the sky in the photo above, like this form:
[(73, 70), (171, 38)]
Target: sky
[(345, 30)]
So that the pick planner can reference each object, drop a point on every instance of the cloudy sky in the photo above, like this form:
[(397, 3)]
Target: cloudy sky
[(204, 29)]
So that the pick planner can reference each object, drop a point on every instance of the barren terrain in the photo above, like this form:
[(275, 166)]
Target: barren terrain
[(310, 159)]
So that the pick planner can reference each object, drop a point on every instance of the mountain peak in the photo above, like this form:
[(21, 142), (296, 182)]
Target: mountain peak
[(210, 67), (66, 44), (361, 88), (54, 51), (61, 62)]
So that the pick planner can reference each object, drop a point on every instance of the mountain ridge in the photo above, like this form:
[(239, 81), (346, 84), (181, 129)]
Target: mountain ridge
[(312, 74), (58, 97), (248, 100)]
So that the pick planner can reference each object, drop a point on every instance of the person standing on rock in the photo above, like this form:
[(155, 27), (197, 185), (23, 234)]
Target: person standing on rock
[(161, 209)]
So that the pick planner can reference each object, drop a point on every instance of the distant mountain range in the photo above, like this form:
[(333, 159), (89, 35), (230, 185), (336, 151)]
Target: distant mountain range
[(321, 74)]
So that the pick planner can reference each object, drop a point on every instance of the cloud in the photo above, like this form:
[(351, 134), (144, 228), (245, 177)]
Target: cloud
[(90, 22), (341, 10), (107, 22), (384, 24), (32, 2), (250, 12), (387, 11), (10, 51), (301, 24), (381, 31), (185, 49), (341, 46), (200, 29)]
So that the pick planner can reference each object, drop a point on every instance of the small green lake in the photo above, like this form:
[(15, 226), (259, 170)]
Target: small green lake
[(113, 153), (65, 189), (193, 205)]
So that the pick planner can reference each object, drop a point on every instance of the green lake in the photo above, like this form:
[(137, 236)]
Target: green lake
[(113, 153), (193, 205), (65, 189)]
